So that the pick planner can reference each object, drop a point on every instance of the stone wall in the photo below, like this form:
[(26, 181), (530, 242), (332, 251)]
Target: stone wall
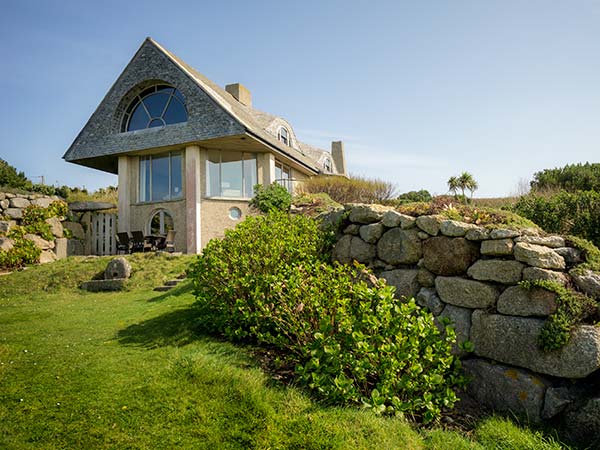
[(11, 213), (470, 275)]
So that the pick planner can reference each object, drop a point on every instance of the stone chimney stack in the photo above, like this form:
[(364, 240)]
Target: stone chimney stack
[(337, 152), (240, 93)]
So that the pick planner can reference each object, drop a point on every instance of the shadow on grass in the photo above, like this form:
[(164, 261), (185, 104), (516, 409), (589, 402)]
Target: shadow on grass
[(183, 288), (175, 328)]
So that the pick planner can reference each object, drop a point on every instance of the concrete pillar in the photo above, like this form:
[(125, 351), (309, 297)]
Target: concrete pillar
[(337, 152), (125, 193), (192, 198), (268, 169)]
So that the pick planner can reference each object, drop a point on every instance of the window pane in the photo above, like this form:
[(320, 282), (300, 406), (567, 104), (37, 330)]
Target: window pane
[(156, 104), (278, 176), (139, 119), (175, 112), (250, 176), (213, 181), (160, 178), (144, 195), (176, 175), (180, 96), (231, 174), (156, 123)]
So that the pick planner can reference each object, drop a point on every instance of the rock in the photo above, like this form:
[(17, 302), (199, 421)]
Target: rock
[(102, 285), (350, 248), (352, 229), (19, 202), (583, 423), (571, 255), (398, 246), (91, 206), (453, 228), (535, 273), (460, 320), (546, 241), (360, 213), (449, 256), (61, 248), (75, 247), (513, 340), (4, 203), (555, 401), (587, 281), (330, 220), (477, 234), (39, 242), (422, 235), (518, 301), (341, 250), (371, 233), (42, 202), (404, 280), (429, 224), (13, 213), (6, 225), (538, 256), (6, 244), (501, 271), (392, 219), (425, 278), (117, 268), (75, 228), (47, 256), (55, 226), (506, 389), (497, 247), (503, 234), (428, 298), (466, 293)]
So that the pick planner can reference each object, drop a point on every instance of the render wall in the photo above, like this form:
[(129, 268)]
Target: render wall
[(471, 275)]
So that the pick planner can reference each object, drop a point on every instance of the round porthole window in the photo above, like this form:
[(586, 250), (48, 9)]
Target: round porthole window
[(235, 213)]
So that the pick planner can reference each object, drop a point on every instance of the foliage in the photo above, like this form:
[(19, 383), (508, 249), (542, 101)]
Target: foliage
[(414, 196), (10, 177), (576, 213), (268, 281), (352, 189), (271, 198), (572, 177), (464, 182), (22, 253), (573, 308), (314, 204), (589, 252)]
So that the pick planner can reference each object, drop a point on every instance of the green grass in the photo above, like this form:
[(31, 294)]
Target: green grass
[(126, 370)]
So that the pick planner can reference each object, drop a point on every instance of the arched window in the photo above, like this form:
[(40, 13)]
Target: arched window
[(283, 135), (155, 107), (160, 223)]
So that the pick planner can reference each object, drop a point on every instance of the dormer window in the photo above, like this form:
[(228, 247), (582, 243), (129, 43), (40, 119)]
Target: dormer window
[(155, 107), (283, 135), (327, 165)]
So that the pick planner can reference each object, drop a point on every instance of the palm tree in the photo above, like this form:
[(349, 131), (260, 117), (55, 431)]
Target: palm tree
[(453, 185), (466, 181)]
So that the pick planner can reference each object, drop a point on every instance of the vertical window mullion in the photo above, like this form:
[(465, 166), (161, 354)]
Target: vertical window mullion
[(151, 187), (170, 187), (220, 173)]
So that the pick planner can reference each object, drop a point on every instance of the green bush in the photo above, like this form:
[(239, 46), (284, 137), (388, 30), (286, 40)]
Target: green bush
[(271, 198), (576, 213), (353, 189), (572, 177), (414, 196), (24, 252), (269, 281)]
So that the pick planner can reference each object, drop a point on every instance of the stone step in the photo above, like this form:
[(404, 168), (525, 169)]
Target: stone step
[(173, 282), (163, 288)]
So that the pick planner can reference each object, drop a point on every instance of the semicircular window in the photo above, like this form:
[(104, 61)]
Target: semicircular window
[(155, 107)]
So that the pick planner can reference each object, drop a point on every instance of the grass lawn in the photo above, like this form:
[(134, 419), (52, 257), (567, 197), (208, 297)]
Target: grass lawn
[(125, 370)]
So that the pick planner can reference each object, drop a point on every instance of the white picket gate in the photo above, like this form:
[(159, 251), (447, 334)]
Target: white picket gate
[(104, 231)]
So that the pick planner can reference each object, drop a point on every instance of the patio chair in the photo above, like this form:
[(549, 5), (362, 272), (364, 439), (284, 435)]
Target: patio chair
[(124, 243), (169, 243), (139, 242)]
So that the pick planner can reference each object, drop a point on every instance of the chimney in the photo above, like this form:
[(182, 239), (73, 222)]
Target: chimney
[(337, 152), (240, 93)]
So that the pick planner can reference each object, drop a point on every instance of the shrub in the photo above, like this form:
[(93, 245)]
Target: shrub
[(271, 198), (269, 281), (414, 196), (354, 189), (576, 213), (572, 177), (24, 252)]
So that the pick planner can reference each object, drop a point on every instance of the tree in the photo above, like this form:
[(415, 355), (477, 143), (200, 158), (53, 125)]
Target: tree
[(465, 182), (9, 177), (453, 185)]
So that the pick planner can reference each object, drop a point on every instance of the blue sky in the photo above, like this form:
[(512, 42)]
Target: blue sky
[(418, 91)]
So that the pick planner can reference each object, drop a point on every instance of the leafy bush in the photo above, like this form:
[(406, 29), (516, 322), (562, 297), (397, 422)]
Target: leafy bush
[(24, 252), (10, 177), (353, 189), (414, 196), (269, 281), (271, 198), (576, 213), (572, 177)]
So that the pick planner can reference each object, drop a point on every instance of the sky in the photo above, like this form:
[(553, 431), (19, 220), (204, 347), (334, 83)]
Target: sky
[(418, 91)]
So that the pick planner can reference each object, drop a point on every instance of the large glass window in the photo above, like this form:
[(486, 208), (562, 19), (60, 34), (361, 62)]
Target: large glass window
[(160, 223), (283, 176), (155, 107), (161, 177), (230, 174)]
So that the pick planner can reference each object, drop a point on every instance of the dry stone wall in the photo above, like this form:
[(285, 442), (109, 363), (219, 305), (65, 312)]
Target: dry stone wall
[(471, 275)]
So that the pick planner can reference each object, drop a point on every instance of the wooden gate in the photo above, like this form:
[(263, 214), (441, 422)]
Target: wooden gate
[(104, 230)]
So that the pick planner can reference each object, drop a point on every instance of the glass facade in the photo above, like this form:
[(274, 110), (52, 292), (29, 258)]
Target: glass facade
[(161, 177), (155, 107), (230, 174)]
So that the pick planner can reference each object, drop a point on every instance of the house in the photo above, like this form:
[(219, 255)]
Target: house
[(188, 152)]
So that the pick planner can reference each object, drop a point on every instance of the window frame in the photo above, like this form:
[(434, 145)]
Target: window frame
[(245, 195), (285, 139), (285, 182), (148, 160), (138, 100)]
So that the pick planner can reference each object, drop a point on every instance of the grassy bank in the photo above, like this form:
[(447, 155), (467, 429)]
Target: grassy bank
[(127, 371)]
